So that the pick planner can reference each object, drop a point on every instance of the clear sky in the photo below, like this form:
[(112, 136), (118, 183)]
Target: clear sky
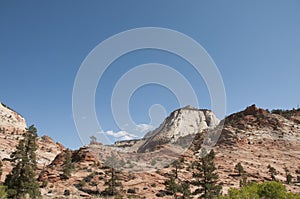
[(254, 43)]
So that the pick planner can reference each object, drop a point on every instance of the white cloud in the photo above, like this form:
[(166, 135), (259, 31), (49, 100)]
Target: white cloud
[(139, 130), (120, 135), (143, 127)]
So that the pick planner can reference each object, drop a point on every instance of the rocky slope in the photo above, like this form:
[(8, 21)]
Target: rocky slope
[(258, 138), (11, 120), (12, 128), (254, 137)]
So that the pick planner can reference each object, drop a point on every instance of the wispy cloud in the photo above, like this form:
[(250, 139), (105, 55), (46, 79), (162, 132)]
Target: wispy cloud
[(144, 127), (120, 135), (139, 131)]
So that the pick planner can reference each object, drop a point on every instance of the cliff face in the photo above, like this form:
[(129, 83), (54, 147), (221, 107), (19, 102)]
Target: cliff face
[(181, 123), (12, 129), (11, 120)]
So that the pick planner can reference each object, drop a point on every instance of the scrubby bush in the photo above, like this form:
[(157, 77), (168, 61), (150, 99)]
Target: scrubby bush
[(266, 190)]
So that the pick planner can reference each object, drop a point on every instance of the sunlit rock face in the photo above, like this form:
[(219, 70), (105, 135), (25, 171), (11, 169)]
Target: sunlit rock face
[(10, 119), (182, 122)]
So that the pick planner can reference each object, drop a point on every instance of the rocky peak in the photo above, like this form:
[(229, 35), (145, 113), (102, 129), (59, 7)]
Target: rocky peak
[(12, 129), (253, 110), (258, 124), (182, 122), (11, 120)]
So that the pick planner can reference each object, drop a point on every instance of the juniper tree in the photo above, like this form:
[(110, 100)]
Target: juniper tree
[(239, 168), (1, 165), (298, 172), (206, 177), (177, 164), (113, 184), (185, 190), (289, 177), (68, 166), (3, 193), (272, 172), (172, 186), (21, 181), (93, 139)]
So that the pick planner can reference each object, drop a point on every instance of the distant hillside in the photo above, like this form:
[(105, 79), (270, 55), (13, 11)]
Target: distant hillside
[(254, 137)]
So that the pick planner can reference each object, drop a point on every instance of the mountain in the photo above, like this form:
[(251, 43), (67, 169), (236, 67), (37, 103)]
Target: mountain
[(183, 122), (257, 138), (254, 137), (12, 128), (11, 120)]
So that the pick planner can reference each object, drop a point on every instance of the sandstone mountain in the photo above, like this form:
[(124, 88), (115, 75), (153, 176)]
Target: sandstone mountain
[(12, 129), (181, 123), (11, 120), (254, 137)]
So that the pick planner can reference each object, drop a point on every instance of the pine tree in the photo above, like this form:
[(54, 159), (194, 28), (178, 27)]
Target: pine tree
[(68, 166), (1, 165), (177, 164), (298, 172), (272, 172), (243, 181), (21, 181), (239, 168), (289, 177), (112, 184), (185, 190), (207, 179), (93, 140), (172, 186)]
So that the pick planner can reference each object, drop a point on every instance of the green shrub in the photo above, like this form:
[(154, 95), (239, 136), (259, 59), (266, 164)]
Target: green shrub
[(266, 190)]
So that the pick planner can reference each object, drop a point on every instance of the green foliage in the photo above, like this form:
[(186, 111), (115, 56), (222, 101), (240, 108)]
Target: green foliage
[(243, 181), (113, 185), (3, 193), (172, 186), (239, 168), (266, 190), (68, 165), (21, 181), (285, 113), (44, 184), (272, 172), (177, 164), (93, 139), (185, 190), (1, 165), (207, 179), (153, 162), (289, 177), (298, 172)]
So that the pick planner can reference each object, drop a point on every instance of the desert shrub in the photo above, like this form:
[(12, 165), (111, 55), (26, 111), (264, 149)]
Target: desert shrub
[(266, 190)]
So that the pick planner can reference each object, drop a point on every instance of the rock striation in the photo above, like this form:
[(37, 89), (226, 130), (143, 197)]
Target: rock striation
[(181, 123), (11, 120)]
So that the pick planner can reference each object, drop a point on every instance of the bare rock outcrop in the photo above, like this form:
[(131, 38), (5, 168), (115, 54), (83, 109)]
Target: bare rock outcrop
[(12, 129), (181, 123), (11, 120)]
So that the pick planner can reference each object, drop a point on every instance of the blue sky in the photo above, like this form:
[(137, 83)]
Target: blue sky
[(255, 44)]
